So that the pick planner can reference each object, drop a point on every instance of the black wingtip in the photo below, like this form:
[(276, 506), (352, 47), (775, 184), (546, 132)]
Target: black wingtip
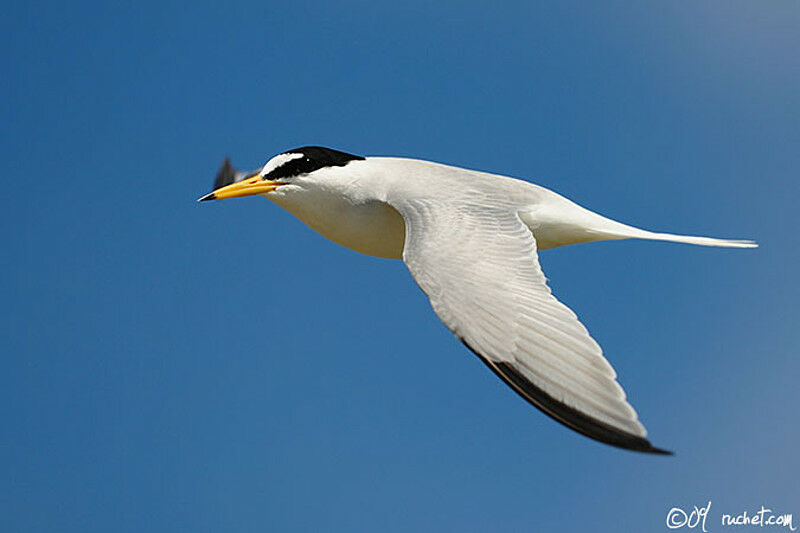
[(563, 413), (225, 175), (207, 197), (658, 451)]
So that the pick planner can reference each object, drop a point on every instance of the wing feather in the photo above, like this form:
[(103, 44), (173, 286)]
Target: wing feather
[(479, 267)]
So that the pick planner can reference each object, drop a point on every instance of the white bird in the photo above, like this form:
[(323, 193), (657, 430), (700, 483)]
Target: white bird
[(470, 240)]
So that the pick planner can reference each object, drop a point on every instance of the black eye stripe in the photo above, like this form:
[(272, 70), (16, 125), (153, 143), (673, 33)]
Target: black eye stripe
[(314, 158)]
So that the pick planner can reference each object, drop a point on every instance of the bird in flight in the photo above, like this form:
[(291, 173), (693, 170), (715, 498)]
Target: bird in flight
[(470, 240)]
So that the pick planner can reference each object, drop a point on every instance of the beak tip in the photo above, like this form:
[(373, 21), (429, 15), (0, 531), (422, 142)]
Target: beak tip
[(207, 197)]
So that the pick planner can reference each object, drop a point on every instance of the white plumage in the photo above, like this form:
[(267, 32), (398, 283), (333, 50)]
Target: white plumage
[(470, 240)]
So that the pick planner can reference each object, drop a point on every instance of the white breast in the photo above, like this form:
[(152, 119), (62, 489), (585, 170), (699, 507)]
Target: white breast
[(370, 227)]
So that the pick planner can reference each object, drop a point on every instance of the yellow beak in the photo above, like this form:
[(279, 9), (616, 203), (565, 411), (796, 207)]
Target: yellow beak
[(246, 187)]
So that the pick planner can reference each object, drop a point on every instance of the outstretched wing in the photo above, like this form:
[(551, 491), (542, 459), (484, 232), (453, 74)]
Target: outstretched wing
[(228, 174), (478, 266)]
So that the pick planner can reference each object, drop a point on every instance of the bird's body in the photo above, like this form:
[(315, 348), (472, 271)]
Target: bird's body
[(354, 207), (470, 240)]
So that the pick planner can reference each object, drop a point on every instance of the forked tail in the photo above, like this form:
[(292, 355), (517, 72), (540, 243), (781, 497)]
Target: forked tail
[(560, 222), (612, 229), (691, 239)]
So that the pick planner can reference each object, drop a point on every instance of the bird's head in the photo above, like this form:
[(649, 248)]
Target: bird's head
[(291, 167)]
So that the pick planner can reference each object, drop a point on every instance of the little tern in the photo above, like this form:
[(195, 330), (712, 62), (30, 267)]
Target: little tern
[(470, 240)]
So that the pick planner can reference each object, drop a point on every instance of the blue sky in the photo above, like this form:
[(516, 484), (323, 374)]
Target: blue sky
[(168, 365)]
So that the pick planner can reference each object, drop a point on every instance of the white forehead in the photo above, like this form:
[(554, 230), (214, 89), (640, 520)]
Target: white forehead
[(277, 161)]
